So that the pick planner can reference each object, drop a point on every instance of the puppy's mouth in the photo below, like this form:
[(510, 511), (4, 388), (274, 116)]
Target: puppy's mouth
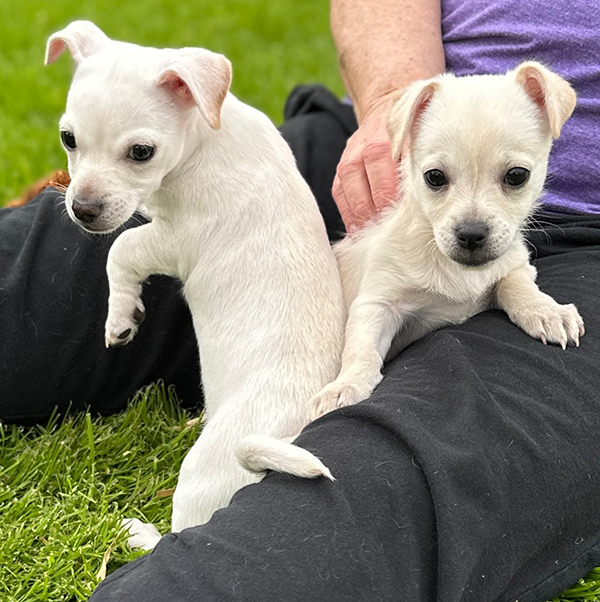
[(94, 217), (96, 228), (473, 259)]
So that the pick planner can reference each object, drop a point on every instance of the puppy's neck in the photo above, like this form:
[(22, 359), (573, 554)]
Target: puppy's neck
[(407, 216), (208, 164), (240, 177)]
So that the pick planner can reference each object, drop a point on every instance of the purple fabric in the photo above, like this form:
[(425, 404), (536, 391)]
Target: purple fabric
[(492, 36)]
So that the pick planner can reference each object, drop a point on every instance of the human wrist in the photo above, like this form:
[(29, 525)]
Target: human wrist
[(377, 103)]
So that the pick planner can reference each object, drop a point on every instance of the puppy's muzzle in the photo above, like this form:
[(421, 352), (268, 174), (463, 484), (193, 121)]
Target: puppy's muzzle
[(471, 243), (87, 212)]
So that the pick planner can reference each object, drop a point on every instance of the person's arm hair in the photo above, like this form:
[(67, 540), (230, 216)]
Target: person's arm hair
[(382, 46)]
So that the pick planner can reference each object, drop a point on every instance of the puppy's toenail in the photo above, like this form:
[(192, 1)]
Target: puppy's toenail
[(138, 316), (125, 334)]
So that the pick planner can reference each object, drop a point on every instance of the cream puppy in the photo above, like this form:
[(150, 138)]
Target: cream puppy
[(233, 220), (474, 159)]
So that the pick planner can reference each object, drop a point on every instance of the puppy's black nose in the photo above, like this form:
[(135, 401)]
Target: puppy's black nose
[(472, 235), (87, 212)]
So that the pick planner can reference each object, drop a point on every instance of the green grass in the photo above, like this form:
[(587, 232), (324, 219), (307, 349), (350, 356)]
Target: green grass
[(65, 488)]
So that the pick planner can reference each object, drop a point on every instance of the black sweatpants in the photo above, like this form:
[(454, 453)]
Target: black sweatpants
[(471, 474), (53, 305)]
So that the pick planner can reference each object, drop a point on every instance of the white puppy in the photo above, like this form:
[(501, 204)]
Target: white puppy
[(232, 219), (474, 159)]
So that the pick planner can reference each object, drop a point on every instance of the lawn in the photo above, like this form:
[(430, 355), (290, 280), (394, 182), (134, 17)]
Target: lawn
[(65, 487)]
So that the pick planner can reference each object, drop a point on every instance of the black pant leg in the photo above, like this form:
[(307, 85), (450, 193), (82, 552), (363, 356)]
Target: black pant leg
[(317, 127), (471, 474), (53, 305)]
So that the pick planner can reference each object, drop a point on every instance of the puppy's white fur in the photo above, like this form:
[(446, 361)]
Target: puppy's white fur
[(232, 219), (405, 274)]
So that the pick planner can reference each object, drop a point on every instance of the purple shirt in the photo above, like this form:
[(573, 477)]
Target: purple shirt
[(492, 36)]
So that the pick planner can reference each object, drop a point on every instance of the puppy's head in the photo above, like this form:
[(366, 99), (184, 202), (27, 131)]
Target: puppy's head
[(475, 153), (128, 120)]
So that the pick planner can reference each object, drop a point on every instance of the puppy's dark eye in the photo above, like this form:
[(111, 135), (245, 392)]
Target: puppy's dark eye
[(141, 152), (516, 177), (435, 178), (68, 139)]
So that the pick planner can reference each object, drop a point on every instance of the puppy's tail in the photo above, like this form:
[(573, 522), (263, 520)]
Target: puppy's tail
[(258, 453)]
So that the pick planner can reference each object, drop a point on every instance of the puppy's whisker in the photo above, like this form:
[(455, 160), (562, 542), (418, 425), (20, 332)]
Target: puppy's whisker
[(531, 224), (62, 205), (551, 225), (542, 224), (137, 217), (533, 247), (534, 225), (431, 246)]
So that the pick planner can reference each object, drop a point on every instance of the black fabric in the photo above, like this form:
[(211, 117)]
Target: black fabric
[(53, 305), (472, 474), (316, 127)]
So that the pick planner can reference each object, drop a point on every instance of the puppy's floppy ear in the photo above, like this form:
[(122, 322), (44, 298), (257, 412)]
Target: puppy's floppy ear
[(551, 93), (406, 112), (201, 78), (81, 38)]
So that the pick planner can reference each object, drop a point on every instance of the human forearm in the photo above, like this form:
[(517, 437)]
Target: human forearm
[(383, 45)]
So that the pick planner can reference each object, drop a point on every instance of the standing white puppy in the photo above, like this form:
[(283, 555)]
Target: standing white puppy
[(473, 167), (232, 219)]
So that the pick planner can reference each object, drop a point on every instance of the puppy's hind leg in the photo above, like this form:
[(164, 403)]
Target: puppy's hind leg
[(210, 473), (142, 536), (132, 258), (538, 314)]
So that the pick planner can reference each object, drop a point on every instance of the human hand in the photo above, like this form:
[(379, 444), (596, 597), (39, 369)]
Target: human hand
[(367, 177)]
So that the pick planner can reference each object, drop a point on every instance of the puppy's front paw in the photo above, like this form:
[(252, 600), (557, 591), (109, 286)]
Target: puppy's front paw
[(142, 536), (551, 322), (124, 318), (337, 395)]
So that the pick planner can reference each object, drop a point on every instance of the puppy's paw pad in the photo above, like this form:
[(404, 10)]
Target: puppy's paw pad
[(125, 334), (139, 314), (334, 396), (142, 536), (122, 324)]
